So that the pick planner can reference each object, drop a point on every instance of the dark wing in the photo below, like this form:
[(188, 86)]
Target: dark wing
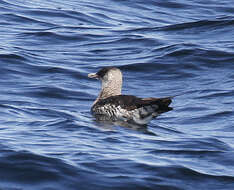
[(129, 102), (162, 103)]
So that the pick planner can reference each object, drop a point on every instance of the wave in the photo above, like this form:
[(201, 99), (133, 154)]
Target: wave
[(201, 25), (21, 169)]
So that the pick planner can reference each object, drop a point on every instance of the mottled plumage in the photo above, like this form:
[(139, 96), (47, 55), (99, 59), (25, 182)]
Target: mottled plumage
[(111, 105)]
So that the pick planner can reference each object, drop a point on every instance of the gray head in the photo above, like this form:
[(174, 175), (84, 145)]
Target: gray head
[(111, 78)]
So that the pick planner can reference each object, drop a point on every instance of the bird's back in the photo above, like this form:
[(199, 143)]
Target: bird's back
[(130, 108)]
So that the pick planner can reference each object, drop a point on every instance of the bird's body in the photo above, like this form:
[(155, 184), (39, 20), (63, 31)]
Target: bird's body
[(111, 105)]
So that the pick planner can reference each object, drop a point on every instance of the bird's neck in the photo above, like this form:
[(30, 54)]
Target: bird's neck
[(112, 88)]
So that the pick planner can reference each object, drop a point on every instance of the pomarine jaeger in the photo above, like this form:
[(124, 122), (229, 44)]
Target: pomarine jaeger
[(112, 105)]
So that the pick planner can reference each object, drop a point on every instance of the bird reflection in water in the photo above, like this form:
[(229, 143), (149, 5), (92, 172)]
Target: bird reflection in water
[(108, 124)]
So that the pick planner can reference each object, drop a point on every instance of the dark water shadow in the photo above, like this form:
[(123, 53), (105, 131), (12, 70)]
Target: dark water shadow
[(109, 124)]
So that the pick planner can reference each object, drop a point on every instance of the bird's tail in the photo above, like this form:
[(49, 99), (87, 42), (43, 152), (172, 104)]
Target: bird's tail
[(163, 104)]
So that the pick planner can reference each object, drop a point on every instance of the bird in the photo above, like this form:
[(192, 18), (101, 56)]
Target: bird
[(112, 105)]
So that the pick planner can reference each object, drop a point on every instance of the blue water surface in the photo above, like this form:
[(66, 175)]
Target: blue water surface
[(48, 138)]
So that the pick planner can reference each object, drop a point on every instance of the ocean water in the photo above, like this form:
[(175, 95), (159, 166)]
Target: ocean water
[(48, 138)]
